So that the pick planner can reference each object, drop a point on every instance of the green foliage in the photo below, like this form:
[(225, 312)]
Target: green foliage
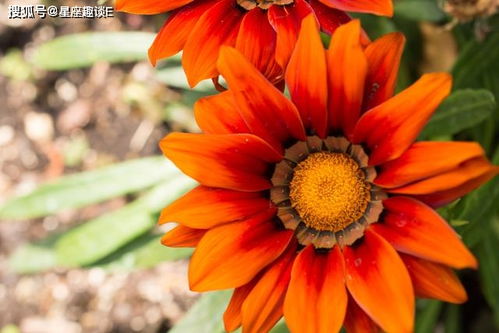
[(144, 252), (85, 49), (419, 10), (89, 187), (175, 77), (489, 267), (476, 59), (428, 315), (112, 234), (463, 109), (205, 315)]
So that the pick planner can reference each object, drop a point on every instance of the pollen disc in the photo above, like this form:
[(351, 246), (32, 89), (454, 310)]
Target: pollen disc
[(329, 191)]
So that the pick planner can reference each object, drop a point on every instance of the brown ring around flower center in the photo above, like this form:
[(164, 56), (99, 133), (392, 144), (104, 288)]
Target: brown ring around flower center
[(323, 190)]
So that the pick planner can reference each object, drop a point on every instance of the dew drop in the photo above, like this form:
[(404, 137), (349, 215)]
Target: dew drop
[(401, 223), (357, 262)]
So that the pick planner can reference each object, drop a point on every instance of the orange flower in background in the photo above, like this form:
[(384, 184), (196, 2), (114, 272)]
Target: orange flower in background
[(265, 31), (320, 208)]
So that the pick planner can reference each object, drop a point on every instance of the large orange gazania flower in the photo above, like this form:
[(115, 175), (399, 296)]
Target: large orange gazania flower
[(320, 208), (264, 31)]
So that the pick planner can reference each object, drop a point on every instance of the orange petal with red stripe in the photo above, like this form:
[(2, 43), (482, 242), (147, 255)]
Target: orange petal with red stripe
[(266, 111), (218, 114), (257, 42), (308, 88), (182, 236), (347, 69), (230, 255), (263, 306), (205, 207), (383, 58), (286, 21), (432, 280), (329, 18), (316, 299), (377, 279), (218, 26), (177, 28), (232, 315), (416, 229), (459, 175), (390, 128), (230, 161), (442, 198), (357, 321), (378, 7), (148, 6), (413, 164)]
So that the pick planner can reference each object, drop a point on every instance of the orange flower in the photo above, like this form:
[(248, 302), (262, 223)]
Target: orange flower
[(320, 208), (265, 31)]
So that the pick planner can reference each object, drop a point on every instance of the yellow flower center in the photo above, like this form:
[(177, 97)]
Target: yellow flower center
[(329, 191)]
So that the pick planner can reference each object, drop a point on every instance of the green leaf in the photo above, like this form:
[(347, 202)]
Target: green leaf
[(463, 109), (90, 187), (489, 266), (32, 258), (426, 319), (175, 77), (419, 10), (452, 319), (84, 49), (99, 237), (479, 207), (144, 252), (476, 58), (205, 315)]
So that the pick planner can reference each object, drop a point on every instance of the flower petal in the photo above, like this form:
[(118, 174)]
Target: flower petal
[(234, 161), (218, 26), (263, 306), (257, 42), (232, 254), (177, 28), (205, 207), (182, 236), (442, 198), (266, 111), (470, 169), (379, 282), (286, 21), (232, 315), (316, 299), (306, 77), (148, 6), (218, 114), (390, 128), (432, 280), (347, 69), (357, 321), (329, 18), (378, 7), (416, 229), (383, 58), (413, 164)]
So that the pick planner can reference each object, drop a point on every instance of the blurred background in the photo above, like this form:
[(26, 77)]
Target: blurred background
[(82, 181)]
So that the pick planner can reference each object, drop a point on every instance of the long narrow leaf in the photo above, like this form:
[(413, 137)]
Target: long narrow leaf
[(83, 50), (90, 187)]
